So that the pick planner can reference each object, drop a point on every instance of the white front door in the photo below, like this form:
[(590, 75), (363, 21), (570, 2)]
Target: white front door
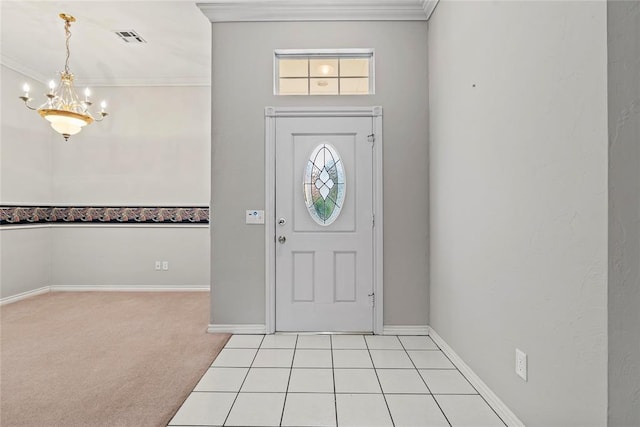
[(324, 224)]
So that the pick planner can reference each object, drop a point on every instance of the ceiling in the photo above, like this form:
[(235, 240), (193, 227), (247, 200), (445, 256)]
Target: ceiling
[(177, 52), (177, 34)]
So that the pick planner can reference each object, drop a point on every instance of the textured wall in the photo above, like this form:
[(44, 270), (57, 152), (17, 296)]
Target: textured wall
[(153, 150), (124, 256), (518, 184), (242, 86), (25, 178), (624, 212), (25, 260), (25, 145)]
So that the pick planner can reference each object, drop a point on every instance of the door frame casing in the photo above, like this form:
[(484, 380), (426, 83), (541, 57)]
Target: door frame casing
[(271, 115)]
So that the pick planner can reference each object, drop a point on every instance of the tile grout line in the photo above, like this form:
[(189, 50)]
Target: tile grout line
[(333, 375), (481, 396), (286, 393), (375, 371), (334, 392), (424, 381), (245, 378), (219, 391)]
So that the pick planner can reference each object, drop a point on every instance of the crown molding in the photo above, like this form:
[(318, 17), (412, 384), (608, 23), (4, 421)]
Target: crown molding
[(25, 71), (429, 6), (132, 82), (316, 10)]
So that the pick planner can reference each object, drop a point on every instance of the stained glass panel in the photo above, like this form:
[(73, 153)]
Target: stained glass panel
[(324, 184)]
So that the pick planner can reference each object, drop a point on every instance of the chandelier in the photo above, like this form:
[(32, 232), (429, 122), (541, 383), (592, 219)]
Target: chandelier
[(64, 109)]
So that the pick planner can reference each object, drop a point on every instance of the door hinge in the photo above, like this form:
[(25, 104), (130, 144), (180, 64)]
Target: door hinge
[(373, 220), (371, 138), (372, 298)]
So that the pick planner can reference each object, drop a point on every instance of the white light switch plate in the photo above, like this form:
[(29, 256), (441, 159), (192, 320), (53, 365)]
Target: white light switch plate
[(255, 217)]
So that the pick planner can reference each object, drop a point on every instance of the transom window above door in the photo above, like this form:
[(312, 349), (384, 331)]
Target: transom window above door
[(323, 72)]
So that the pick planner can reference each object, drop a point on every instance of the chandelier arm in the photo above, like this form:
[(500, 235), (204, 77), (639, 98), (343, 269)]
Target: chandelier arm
[(26, 102), (102, 114)]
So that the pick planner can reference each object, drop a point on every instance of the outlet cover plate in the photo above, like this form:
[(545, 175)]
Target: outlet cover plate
[(521, 364)]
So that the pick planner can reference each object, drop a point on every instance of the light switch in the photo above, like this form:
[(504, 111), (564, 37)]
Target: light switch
[(254, 217)]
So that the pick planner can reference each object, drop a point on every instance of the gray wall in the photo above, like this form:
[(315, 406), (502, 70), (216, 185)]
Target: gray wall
[(25, 260), (25, 179), (26, 162), (624, 212), (242, 86), (518, 161), (153, 150), (124, 256)]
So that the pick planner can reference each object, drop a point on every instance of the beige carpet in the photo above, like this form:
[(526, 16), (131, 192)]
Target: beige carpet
[(102, 358)]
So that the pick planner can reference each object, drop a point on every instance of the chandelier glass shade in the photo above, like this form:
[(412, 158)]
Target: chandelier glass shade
[(64, 109)]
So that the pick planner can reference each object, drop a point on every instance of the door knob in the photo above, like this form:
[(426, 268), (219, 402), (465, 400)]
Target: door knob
[(282, 239)]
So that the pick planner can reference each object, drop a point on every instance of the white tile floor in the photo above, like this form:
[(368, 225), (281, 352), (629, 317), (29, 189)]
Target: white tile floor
[(334, 380)]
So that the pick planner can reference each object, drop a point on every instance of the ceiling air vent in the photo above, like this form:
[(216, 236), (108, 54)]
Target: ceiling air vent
[(130, 36)]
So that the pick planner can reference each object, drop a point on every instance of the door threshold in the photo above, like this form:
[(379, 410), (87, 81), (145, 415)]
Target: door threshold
[(322, 333)]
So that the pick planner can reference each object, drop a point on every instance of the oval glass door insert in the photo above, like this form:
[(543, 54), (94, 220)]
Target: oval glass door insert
[(324, 184)]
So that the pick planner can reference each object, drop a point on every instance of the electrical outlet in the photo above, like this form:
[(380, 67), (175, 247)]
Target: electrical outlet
[(521, 364), (165, 265), (158, 265)]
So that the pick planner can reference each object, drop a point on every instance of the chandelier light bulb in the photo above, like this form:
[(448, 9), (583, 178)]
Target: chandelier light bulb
[(87, 92), (26, 89), (52, 85), (103, 105), (325, 69)]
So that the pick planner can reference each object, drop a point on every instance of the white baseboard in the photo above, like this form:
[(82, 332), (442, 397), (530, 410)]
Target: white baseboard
[(405, 330), (24, 295), (151, 288), (496, 403), (237, 329), (93, 288)]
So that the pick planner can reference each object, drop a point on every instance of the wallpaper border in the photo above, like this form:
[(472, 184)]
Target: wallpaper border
[(30, 215)]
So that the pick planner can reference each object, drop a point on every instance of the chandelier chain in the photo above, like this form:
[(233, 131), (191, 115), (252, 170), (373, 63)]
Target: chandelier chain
[(67, 31)]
